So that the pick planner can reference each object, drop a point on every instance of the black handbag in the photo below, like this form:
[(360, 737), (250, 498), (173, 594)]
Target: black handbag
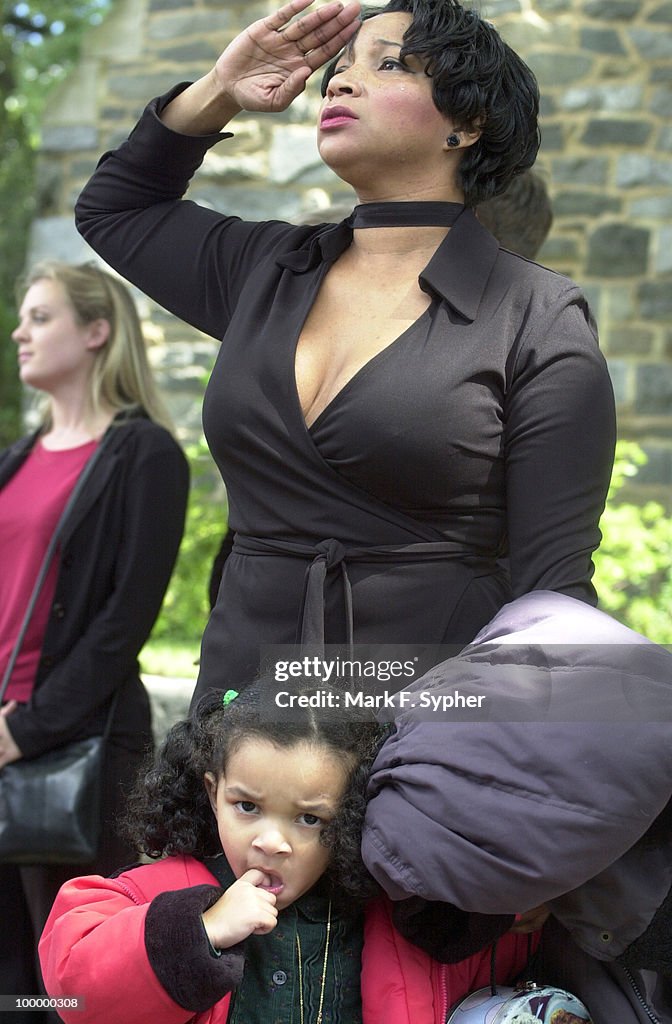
[(50, 806)]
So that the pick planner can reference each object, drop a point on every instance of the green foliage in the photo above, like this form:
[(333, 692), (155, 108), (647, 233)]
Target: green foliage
[(186, 607), (633, 566)]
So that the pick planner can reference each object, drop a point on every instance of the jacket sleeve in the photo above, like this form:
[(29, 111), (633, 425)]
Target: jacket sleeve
[(557, 786), (560, 433), (191, 259), (132, 962), (153, 497)]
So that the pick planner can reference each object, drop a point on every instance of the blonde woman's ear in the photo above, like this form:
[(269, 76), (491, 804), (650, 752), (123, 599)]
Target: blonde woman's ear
[(99, 333)]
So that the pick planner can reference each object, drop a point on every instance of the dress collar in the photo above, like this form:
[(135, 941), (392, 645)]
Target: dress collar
[(457, 272)]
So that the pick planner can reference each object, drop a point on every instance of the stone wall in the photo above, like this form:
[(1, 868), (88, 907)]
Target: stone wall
[(605, 70)]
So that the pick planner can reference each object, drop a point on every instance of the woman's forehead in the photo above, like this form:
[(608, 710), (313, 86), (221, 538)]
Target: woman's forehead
[(380, 30)]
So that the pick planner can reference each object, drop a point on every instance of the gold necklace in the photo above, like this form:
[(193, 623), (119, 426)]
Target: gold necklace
[(324, 969)]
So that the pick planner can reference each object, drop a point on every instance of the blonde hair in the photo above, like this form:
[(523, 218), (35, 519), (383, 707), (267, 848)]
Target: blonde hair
[(122, 378)]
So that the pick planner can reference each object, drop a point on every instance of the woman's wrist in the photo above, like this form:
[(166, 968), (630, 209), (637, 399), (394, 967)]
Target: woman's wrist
[(203, 108)]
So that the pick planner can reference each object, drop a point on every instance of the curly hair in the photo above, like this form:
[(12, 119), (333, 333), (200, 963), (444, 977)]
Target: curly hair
[(479, 82), (169, 809)]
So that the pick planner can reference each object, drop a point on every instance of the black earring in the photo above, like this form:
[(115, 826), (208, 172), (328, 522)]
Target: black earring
[(453, 140)]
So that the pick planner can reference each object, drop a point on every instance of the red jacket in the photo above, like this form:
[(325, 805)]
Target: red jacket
[(95, 946)]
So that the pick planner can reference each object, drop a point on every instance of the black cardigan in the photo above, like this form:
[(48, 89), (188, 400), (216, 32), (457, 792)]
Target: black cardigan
[(117, 555)]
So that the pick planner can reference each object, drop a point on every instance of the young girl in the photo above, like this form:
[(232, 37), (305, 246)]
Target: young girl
[(251, 916), (255, 913)]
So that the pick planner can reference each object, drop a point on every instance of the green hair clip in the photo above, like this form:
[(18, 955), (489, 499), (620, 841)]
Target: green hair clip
[(229, 696)]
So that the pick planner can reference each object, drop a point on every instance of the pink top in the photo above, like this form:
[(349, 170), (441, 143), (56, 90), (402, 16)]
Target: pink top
[(31, 504)]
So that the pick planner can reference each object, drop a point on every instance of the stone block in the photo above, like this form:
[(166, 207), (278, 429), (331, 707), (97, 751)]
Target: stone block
[(663, 261), (661, 102), (612, 96), (629, 341), (654, 389), (69, 138), (619, 303), (652, 44), (558, 68), (569, 203), (635, 170), (193, 52), (661, 73), (657, 208), (524, 34), (616, 10), (662, 14), (655, 300), (553, 7), (497, 8), (156, 6), (57, 238), (618, 250), (580, 171), (616, 132), (602, 40), (142, 87), (188, 23)]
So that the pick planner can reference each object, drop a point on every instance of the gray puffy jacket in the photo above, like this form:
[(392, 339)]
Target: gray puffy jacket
[(558, 791)]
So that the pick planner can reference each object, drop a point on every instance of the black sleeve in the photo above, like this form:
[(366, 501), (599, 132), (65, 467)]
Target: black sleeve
[(560, 435), (191, 259), (179, 952)]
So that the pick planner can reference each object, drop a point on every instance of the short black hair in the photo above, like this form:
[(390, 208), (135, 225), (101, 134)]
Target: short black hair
[(479, 82)]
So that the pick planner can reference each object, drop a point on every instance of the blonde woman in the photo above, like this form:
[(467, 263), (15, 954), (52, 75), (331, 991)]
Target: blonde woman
[(79, 342)]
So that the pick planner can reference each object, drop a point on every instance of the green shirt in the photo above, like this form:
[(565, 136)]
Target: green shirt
[(270, 989)]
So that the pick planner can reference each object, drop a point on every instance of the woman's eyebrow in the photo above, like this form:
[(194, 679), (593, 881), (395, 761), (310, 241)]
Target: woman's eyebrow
[(349, 50)]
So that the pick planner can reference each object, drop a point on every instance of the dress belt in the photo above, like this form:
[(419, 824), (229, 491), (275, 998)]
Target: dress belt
[(331, 554)]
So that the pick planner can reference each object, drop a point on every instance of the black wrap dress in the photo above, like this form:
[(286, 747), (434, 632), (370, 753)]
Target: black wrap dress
[(465, 464)]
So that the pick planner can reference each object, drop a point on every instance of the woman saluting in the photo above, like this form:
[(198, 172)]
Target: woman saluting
[(413, 424)]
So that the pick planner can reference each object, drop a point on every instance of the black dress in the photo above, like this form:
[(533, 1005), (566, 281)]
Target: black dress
[(466, 463)]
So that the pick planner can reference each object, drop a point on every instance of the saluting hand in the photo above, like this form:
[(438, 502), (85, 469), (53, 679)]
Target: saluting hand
[(267, 66)]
